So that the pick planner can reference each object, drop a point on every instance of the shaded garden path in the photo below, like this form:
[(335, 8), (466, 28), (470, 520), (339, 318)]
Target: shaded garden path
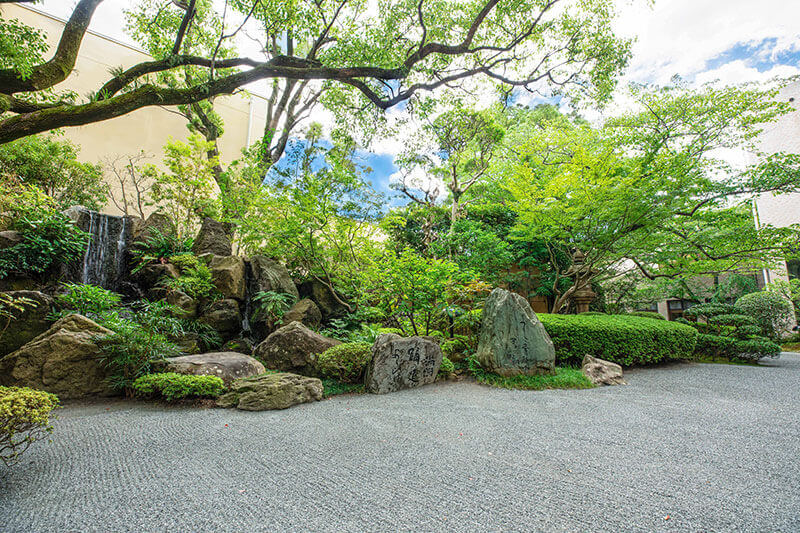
[(714, 447)]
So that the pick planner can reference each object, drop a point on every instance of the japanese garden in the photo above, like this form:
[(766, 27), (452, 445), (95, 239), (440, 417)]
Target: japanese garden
[(423, 265)]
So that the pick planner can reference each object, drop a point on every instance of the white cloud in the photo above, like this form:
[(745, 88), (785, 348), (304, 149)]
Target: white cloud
[(680, 36)]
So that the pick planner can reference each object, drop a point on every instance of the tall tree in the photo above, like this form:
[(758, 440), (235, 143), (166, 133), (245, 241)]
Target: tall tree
[(647, 189), (365, 58)]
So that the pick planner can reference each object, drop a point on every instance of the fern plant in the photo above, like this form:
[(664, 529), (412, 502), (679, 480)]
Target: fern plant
[(270, 306)]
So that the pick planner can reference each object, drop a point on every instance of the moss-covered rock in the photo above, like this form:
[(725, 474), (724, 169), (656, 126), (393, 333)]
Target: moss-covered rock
[(64, 360), (294, 348), (271, 391)]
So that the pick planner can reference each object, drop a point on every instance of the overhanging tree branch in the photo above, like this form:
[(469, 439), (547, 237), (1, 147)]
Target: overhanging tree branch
[(60, 66)]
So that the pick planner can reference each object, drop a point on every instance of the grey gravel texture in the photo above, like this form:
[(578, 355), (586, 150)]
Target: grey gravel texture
[(712, 447)]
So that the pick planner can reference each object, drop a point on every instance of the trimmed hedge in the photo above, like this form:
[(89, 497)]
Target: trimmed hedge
[(621, 339), (173, 386)]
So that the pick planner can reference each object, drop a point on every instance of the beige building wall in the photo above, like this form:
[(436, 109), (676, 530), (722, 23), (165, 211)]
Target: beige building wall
[(781, 136), (146, 129)]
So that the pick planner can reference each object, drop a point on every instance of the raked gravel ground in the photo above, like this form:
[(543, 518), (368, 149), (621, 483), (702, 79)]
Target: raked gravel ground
[(680, 448)]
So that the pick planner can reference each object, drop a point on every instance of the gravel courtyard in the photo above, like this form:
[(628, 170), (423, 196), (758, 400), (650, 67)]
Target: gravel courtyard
[(680, 448)]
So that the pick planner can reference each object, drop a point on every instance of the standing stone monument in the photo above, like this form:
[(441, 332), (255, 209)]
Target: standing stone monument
[(512, 339), (402, 363)]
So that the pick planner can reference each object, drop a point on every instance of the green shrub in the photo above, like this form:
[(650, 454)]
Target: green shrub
[(159, 246), (773, 313), (394, 331), (130, 352), (345, 362), (622, 339), (593, 313), (172, 386), (195, 281), (47, 241), (459, 347), (24, 419), (185, 261), (88, 300), (367, 333), (728, 333), (447, 367), (647, 314)]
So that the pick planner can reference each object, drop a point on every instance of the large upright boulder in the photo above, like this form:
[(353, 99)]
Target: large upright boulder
[(269, 275), (227, 273), (212, 239), (293, 347), (63, 360), (271, 391), (28, 323), (229, 366), (402, 363), (156, 222), (512, 339), (304, 311)]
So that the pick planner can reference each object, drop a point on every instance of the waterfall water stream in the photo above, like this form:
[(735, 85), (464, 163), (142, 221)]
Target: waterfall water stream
[(104, 261)]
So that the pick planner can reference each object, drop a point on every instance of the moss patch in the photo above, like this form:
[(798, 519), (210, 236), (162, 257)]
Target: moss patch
[(564, 378), (331, 387), (791, 347)]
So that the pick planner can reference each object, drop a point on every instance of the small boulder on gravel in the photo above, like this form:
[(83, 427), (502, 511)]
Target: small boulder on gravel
[(402, 363), (271, 391), (601, 372), (293, 347), (229, 366), (512, 340)]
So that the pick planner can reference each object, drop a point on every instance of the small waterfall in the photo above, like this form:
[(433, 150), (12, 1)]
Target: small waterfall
[(104, 261), (246, 331)]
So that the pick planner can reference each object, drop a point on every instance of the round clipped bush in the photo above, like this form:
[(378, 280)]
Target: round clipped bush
[(173, 386), (621, 339), (772, 312), (24, 419), (345, 362)]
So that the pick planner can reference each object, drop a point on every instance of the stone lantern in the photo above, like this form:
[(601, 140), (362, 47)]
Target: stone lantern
[(585, 295)]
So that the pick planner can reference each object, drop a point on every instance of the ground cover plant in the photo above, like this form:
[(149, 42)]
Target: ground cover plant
[(172, 386), (564, 378)]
